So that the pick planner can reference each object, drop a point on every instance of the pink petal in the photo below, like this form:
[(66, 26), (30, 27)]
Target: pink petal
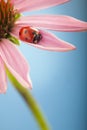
[(28, 5), (52, 43), (15, 62), (48, 42), (15, 31), (54, 22), (3, 78), (15, 2)]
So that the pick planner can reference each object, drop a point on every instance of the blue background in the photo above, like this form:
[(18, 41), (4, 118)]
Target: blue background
[(59, 81)]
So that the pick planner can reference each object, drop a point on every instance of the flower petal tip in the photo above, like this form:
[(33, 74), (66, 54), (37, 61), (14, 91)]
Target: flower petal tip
[(73, 47)]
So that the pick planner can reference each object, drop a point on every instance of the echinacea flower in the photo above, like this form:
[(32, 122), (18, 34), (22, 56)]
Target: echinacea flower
[(11, 22)]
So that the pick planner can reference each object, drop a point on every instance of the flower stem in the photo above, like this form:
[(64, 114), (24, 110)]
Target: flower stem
[(30, 101)]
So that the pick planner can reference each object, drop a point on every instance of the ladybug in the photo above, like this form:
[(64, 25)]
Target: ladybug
[(30, 35)]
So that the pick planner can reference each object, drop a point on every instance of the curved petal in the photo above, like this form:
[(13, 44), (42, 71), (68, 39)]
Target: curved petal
[(48, 42), (32, 5), (54, 22), (52, 43), (3, 78), (15, 62)]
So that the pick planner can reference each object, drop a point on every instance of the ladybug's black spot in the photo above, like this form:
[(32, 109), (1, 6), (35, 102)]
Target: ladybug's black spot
[(26, 31), (19, 33), (26, 39)]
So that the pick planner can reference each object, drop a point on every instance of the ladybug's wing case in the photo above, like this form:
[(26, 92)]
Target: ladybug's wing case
[(26, 34), (30, 35)]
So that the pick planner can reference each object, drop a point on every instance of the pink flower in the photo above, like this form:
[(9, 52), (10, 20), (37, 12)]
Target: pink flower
[(10, 25)]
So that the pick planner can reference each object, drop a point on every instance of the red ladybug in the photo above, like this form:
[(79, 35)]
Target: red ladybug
[(30, 35)]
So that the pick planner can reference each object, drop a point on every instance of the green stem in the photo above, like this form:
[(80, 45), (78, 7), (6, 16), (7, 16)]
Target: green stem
[(30, 101)]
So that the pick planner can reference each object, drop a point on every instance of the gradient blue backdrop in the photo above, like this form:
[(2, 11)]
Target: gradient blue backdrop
[(59, 81)]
